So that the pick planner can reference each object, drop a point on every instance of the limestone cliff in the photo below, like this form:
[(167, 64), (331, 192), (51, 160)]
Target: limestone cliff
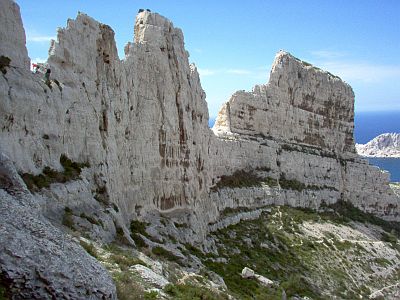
[(299, 128), (135, 132), (300, 104)]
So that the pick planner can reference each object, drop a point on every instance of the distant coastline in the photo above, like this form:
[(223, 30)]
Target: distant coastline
[(368, 125)]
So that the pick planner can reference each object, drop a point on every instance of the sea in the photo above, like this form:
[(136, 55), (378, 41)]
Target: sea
[(368, 125)]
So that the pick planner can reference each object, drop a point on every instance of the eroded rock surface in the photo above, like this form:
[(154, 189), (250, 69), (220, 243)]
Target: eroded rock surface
[(141, 125), (38, 260)]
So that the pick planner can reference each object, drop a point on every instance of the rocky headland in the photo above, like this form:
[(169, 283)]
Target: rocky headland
[(384, 145), (115, 157)]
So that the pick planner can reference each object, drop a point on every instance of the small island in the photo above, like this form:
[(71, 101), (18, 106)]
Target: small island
[(384, 145)]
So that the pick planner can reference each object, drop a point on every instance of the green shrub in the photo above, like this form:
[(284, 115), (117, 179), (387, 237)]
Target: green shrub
[(140, 243), (150, 295), (67, 219), (139, 227), (187, 291), (127, 287), (72, 171), (160, 251), (345, 211), (389, 238), (4, 63), (291, 184), (124, 260), (181, 225), (296, 285), (115, 207), (239, 179), (90, 219)]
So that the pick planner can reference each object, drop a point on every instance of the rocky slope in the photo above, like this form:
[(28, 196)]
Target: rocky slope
[(119, 151), (384, 145)]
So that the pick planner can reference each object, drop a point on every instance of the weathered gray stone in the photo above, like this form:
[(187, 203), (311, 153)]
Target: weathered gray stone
[(38, 260), (142, 124), (12, 35)]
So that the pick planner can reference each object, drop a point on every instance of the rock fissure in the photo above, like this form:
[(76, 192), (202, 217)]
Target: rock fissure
[(142, 124)]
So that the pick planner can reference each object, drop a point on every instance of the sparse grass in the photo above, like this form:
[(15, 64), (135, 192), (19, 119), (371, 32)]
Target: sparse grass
[(280, 251), (344, 212), (89, 248), (124, 259), (72, 171), (127, 283), (383, 262), (186, 292), (127, 287), (276, 262), (389, 237), (67, 219), (150, 295), (161, 252), (291, 184)]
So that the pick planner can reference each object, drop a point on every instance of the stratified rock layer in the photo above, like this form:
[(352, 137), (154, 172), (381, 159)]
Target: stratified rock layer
[(300, 104), (142, 125)]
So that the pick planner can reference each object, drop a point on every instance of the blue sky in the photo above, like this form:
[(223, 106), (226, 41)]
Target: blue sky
[(233, 43)]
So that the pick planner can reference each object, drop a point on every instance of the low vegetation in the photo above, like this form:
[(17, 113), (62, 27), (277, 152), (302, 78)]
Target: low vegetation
[(67, 219), (4, 292), (72, 171), (4, 63), (138, 228), (242, 179), (161, 252), (276, 247), (346, 212), (187, 291), (89, 248)]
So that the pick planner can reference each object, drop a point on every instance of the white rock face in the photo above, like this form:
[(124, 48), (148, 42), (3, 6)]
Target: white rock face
[(142, 124), (300, 104), (384, 145), (299, 127), (12, 35), (150, 276)]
